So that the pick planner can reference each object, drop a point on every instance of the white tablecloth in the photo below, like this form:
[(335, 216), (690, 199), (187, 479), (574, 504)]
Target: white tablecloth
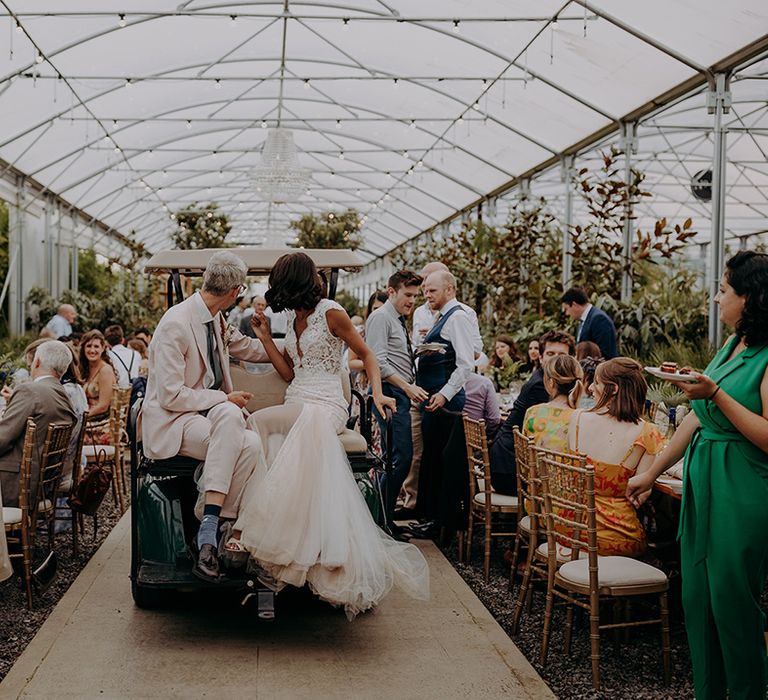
[(5, 562)]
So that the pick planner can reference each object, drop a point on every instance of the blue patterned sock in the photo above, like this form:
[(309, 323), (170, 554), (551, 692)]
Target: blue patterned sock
[(209, 528)]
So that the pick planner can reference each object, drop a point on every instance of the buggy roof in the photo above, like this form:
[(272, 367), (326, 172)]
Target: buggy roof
[(192, 263)]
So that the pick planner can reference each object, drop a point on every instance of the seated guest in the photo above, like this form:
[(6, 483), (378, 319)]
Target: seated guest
[(586, 348), (236, 314), (42, 399), (503, 466), (548, 422), (144, 334), (504, 353), (140, 347), (258, 306), (533, 360), (589, 365), (100, 377), (73, 386), (618, 444), (125, 360), (481, 403)]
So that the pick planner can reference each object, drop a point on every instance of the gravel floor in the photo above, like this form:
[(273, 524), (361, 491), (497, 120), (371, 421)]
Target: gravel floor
[(630, 670), (17, 624)]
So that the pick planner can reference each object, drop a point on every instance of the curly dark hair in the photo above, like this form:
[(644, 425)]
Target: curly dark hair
[(294, 283), (747, 273)]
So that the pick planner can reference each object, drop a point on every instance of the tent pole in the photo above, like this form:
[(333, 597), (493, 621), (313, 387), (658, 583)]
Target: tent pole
[(718, 103), (629, 146), (567, 178)]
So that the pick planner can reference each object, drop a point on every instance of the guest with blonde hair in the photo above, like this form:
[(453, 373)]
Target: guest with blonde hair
[(548, 423)]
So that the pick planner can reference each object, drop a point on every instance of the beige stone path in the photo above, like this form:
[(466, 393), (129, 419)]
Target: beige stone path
[(96, 644)]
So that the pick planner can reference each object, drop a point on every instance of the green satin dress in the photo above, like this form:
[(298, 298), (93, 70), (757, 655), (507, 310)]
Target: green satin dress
[(724, 537)]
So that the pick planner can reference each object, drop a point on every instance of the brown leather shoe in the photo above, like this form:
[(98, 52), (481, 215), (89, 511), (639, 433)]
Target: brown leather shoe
[(206, 566)]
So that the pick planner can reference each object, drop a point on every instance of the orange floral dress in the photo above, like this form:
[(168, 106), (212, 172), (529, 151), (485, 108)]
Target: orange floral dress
[(619, 531)]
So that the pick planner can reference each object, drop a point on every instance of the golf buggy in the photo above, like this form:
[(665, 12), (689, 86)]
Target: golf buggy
[(163, 492)]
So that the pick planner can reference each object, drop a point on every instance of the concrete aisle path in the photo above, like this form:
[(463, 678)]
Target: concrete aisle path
[(96, 644)]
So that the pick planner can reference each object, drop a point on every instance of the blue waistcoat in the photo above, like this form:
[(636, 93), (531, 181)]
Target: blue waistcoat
[(436, 369)]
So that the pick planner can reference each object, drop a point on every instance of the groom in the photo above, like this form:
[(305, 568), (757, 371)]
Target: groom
[(191, 409)]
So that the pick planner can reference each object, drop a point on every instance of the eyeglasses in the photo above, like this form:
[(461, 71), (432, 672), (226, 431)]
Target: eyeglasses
[(242, 289)]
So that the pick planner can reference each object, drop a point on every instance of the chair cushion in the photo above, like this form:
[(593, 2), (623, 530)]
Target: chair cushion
[(11, 516), (44, 506), (613, 571), (353, 442), (91, 451), (497, 499), (563, 553)]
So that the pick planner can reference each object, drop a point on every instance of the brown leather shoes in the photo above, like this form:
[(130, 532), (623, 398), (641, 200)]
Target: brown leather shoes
[(206, 566)]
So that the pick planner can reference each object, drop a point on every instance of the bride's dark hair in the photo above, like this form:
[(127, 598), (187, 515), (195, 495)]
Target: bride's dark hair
[(294, 283)]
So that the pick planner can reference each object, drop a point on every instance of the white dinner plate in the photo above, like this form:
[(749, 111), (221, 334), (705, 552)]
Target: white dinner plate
[(671, 376), (675, 484), (430, 347)]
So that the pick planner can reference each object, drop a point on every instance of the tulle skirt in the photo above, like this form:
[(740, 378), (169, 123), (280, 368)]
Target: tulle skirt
[(304, 520)]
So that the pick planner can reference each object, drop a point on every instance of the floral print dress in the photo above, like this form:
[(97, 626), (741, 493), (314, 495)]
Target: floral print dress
[(619, 531)]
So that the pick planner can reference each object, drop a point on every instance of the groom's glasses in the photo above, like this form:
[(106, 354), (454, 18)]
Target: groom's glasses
[(242, 289)]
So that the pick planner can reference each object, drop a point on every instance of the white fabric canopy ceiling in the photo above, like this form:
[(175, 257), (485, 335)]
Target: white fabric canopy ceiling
[(407, 111)]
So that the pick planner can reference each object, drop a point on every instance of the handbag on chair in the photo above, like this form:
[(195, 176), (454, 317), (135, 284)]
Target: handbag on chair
[(89, 492)]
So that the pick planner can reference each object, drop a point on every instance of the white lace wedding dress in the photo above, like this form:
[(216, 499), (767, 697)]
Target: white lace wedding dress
[(302, 517)]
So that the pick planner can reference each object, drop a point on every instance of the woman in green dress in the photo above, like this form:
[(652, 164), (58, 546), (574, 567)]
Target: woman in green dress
[(724, 519)]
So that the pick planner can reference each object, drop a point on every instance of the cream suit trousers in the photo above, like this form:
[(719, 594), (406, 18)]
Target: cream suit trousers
[(230, 452)]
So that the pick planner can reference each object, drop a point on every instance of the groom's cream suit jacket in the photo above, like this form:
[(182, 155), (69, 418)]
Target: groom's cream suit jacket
[(178, 366)]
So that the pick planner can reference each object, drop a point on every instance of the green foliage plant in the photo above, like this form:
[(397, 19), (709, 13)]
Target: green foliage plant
[(200, 226), (331, 229), (349, 302)]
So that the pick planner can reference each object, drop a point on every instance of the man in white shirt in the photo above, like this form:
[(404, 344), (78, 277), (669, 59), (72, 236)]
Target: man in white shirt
[(424, 316), (423, 320), (442, 375), (125, 361)]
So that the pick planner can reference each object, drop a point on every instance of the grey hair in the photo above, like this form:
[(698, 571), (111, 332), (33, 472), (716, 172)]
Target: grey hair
[(224, 272), (53, 356)]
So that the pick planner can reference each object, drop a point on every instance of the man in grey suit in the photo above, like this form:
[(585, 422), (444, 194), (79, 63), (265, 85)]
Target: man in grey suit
[(43, 399)]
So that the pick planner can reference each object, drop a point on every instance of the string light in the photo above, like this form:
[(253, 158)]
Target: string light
[(341, 155), (338, 123), (455, 26), (189, 123), (306, 83), (121, 21), (413, 123), (345, 20), (263, 124), (19, 30), (39, 57), (218, 83), (554, 23), (394, 82)]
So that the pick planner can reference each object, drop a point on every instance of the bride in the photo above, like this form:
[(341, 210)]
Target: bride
[(302, 517)]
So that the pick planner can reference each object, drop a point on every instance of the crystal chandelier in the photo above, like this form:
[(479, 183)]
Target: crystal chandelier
[(279, 177)]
